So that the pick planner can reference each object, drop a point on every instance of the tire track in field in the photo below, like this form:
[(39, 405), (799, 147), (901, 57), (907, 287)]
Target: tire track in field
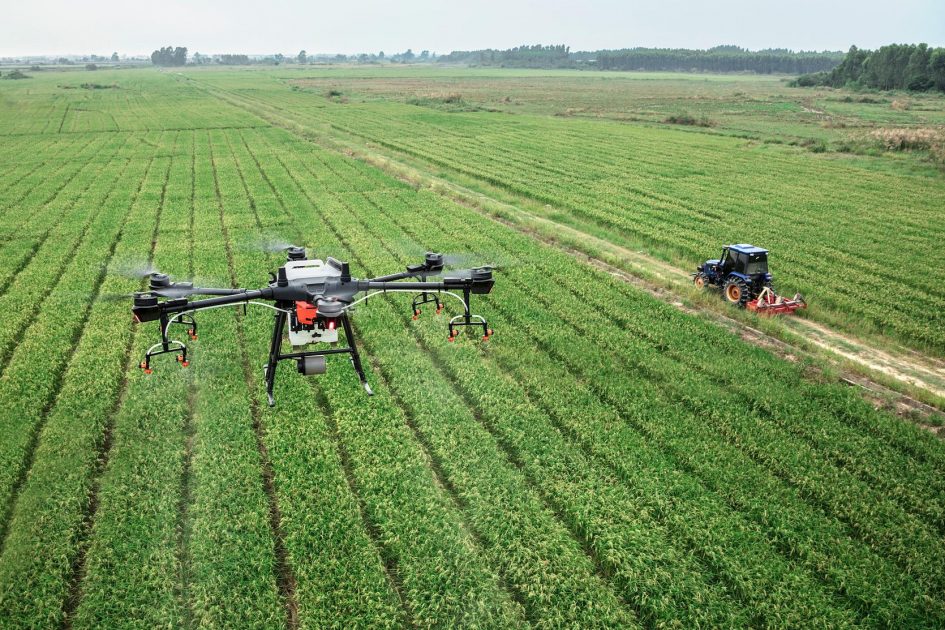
[(184, 522), (440, 477), (285, 576), (64, 368), (77, 574), (388, 560)]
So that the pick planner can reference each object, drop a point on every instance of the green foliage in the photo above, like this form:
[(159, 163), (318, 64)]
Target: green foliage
[(893, 67), (168, 56)]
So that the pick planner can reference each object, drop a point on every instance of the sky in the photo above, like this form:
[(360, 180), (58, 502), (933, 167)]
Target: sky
[(58, 27)]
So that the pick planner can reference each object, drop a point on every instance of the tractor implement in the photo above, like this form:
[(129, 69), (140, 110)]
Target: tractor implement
[(769, 303)]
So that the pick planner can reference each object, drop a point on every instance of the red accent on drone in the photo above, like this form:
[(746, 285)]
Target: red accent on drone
[(306, 312)]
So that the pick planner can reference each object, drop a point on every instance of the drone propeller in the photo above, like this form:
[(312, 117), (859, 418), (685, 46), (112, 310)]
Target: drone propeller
[(136, 269)]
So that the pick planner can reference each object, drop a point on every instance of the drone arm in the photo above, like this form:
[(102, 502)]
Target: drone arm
[(395, 276), (207, 291), (147, 308), (447, 284)]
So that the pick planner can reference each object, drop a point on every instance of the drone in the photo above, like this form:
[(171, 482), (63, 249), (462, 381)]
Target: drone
[(314, 298)]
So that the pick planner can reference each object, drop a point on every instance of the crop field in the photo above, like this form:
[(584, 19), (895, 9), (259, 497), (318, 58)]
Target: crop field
[(605, 460), (687, 190)]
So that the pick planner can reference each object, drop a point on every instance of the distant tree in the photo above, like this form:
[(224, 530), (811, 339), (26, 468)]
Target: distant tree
[(302, 57), (114, 56), (380, 55), (168, 56), (234, 60), (937, 68), (199, 59), (918, 76), (91, 66)]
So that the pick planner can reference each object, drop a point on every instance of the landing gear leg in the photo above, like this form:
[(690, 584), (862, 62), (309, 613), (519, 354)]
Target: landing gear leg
[(355, 357), (274, 349)]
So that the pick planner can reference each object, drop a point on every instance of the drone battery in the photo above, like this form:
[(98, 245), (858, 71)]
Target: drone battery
[(310, 366)]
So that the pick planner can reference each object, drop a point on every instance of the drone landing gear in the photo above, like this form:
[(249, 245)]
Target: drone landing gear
[(166, 346), (468, 319), (312, 361)]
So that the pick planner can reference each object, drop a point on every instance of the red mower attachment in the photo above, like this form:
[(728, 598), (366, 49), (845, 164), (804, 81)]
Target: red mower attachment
[(769, 303)]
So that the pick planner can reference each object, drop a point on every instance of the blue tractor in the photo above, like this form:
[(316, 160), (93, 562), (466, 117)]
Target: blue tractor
[(742, 273)]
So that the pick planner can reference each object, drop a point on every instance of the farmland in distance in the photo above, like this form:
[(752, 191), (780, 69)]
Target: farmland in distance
[(606, 460)]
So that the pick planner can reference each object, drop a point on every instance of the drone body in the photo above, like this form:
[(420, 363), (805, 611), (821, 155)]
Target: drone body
[(312, 298)]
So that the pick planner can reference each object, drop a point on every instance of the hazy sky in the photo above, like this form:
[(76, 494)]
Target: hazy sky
[(346, 26)]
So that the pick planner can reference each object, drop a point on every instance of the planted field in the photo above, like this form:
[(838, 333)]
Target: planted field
[(605, 460), (676, 193)]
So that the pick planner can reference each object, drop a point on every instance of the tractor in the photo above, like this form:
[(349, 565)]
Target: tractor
[(742, 273)]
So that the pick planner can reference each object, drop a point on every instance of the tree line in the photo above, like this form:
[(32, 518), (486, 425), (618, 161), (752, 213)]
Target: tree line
[(718, 59), (537, 56), (168, 56), (914, 67)]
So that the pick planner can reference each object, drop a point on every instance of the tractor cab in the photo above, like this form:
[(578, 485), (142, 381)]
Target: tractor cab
[(746, 261)]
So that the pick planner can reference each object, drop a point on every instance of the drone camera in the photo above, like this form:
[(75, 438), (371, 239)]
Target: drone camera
[(312, 365)]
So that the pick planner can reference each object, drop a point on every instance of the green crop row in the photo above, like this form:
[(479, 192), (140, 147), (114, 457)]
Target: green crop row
[(34, 370), (49, 256)]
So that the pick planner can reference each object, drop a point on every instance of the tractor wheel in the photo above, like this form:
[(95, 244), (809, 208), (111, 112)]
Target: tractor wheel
[(736, 292), (699, 281)]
